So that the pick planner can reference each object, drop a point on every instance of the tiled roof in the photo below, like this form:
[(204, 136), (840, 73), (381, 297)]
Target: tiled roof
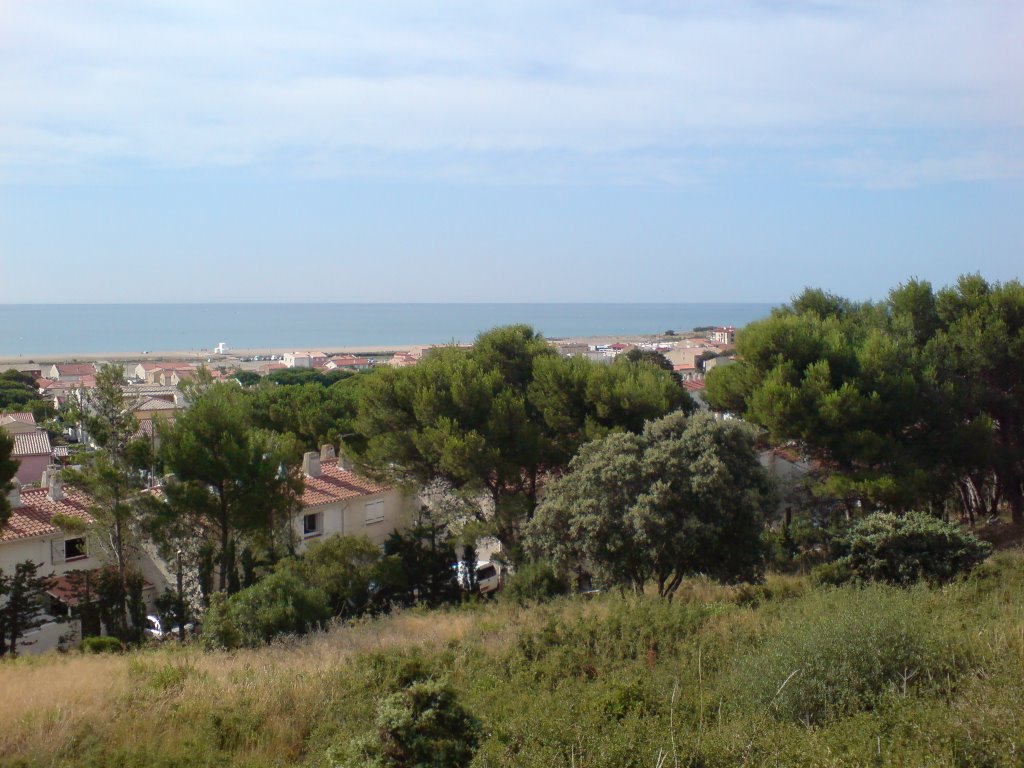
[(33, 518), (694, 385), (156, 404), (76, 369), (145, 429), (336, 484), (26, 418), (32, 444)]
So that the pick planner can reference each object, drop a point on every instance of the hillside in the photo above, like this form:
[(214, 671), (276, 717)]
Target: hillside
[(780, 674)]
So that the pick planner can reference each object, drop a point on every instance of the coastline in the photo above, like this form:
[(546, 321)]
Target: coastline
[(232, 358)]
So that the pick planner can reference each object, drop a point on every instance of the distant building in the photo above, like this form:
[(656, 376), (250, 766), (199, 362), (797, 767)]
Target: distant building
[(723, 335)]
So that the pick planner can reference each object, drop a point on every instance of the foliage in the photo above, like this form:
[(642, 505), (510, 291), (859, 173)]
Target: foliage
[(279, 604), (902, 550), (232, 480), (21, 604), (101, 644), (913, 401), (344, 567), (311, 412), (487, 421), (110, 480), (18, 391), (534, 581), (8, 469), (686, 496), (417, 568), (845, 651), (607, 682), (423, 726)]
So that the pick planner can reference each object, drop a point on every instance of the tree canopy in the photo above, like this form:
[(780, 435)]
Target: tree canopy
[(911, 400), (491, 420), (685, 496), (231, 479)]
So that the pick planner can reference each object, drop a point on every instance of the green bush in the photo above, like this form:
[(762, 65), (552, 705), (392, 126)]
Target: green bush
[(101, 644), (841, 651), (902, 550), (422, 726), (535, 581), (279, 604)]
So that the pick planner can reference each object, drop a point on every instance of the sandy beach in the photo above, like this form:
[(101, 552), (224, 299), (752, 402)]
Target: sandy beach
[(235, 355)]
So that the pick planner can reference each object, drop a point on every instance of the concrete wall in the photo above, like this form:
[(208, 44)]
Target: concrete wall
[(30, 469), (39, 550), (349, 517)]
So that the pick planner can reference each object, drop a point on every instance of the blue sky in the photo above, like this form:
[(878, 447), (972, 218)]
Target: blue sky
[(188, 150)]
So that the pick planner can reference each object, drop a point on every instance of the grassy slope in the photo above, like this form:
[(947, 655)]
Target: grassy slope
[(875, 677)]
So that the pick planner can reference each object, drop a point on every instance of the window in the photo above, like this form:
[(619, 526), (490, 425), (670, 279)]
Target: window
[(311, 524), (375, 511), (74, 549)]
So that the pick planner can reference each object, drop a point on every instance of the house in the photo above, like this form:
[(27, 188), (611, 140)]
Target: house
[(32, 534), (304, 359), (336, 500), (723, 335), (17, 423), (33, 452), (70, 371), (143, 370), (348, 362)]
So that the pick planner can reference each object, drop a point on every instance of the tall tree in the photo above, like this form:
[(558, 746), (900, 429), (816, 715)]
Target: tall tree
[(110, 478), (488, 421), (21, 604), (906, 399), (685, 496), (8, 469), (231, 480)]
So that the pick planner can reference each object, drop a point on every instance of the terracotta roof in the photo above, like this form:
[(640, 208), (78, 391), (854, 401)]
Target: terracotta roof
[(26, 418), (336, 484), (32, 444), (145, 429), (33, 518), (156, 404), (694, 386), (76, 369)]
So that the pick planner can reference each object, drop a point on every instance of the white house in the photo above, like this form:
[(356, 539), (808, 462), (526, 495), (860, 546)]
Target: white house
[(338, 501)]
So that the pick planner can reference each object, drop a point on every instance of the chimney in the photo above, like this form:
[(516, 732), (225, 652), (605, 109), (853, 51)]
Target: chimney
[(311, 464), (14, 495), (56, 488), (326, 452)]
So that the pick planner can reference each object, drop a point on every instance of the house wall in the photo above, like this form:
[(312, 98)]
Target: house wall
[(39, 550), (349, 518), (30, 468)]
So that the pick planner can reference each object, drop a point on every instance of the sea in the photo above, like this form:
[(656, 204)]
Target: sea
[(40, 330)]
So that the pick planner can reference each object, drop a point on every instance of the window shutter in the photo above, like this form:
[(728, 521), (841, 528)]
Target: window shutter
[(57, 551), (374, 511)]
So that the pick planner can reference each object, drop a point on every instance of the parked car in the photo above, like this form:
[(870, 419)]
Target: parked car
[(489, 576), (155, 630)]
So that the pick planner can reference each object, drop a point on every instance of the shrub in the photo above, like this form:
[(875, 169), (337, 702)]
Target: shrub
[(902, 550), (279, 604), (841, 651), (422, 726), (101, 644), (535, 581)]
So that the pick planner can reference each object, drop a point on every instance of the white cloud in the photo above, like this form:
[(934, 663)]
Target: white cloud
[(458, 84)]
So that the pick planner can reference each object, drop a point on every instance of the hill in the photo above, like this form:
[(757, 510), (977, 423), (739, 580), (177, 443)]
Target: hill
[(785, 673)]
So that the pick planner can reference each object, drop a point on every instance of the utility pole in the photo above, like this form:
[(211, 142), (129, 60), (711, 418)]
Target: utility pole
[(181, 603)]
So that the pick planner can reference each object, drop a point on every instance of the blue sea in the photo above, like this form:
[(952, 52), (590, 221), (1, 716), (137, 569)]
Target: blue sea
[(39, 330)]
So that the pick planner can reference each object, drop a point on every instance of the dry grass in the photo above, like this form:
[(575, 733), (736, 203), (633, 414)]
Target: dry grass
[(48, 703)]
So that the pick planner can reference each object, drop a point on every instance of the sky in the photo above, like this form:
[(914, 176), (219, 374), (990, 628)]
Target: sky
[(457, 151)]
